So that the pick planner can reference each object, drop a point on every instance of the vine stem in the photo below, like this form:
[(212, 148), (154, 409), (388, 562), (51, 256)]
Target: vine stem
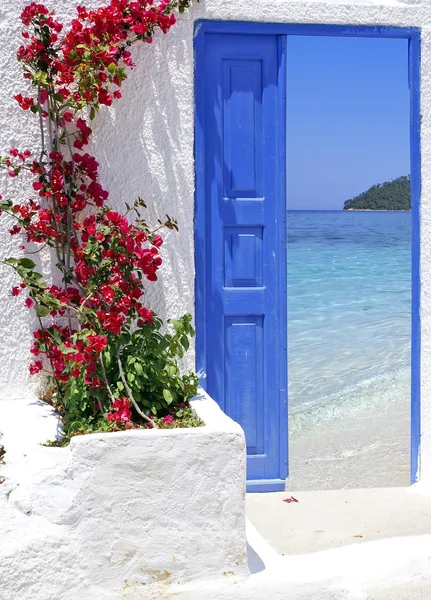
[(49, 357), (59, 231), (129, 393), (108, 387), (42, 132)]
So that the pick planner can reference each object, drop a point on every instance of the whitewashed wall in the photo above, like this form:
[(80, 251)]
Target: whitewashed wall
[(123, 514), (145, 146)]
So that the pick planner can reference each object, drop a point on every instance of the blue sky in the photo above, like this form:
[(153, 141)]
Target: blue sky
[(348, 117)]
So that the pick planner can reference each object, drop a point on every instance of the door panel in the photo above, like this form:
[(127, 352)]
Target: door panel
[(241, 107)]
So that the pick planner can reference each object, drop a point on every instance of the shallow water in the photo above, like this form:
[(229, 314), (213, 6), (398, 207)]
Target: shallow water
[(349, 303)]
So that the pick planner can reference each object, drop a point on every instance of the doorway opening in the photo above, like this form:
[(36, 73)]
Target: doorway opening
[(349, 262), (243, 92)]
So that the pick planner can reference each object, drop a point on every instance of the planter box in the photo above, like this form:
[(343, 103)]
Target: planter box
[(113, 513)]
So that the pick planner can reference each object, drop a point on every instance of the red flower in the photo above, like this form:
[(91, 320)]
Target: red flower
[(25, 103), (35, 367), (31, 11), (43, 96), (85, 133), (29, 303), (146, 314), (59, 366), (108, 293), (122, 411), (97, 342), (16, 290), (68, 117)]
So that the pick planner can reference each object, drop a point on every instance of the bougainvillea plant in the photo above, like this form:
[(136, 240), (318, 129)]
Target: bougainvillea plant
[(109, 356)]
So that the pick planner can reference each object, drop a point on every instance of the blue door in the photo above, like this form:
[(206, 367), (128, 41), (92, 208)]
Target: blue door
[(240, 241)]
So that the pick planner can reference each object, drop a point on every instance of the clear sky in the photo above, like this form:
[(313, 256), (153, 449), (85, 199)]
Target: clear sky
[(348, 117)]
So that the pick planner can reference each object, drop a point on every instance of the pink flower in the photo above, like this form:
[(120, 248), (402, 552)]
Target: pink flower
[(157, 241), (169, 419)]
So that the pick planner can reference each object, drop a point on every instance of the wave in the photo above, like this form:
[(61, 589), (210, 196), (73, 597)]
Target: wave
[(370, 395)]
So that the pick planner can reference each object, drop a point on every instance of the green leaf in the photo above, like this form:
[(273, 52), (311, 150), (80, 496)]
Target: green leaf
[(6, 204), (107, 359), (124, 338), (26, 263), (138, 368), (92, 113), (171, 370), (130, 377), (41, 311), (40, 77), (168, 396), (55, 336), (112, 67), (184, 342)]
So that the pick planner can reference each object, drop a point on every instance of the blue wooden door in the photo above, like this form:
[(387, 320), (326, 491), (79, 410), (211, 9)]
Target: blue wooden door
[(240, 241)]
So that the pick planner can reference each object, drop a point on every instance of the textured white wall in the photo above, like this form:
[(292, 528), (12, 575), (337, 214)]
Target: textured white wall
[(123, 512), (145, 146)]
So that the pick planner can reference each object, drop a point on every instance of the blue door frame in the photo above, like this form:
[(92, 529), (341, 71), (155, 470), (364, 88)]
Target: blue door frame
[(202, 314)]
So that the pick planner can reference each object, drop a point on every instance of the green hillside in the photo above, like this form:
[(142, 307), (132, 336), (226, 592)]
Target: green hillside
[(391, 195)]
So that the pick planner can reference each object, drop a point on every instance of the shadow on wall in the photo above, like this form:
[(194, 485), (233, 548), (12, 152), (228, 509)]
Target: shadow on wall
[(145, 148)]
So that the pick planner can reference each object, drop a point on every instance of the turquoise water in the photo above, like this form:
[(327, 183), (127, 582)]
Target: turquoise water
[(349, 319)]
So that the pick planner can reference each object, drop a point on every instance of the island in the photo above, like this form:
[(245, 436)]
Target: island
[(390, 195)]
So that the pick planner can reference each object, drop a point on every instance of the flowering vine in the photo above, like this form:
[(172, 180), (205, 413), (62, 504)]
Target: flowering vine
[(106, 352)]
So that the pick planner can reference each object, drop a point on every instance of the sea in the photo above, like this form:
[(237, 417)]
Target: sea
[(349, 343)]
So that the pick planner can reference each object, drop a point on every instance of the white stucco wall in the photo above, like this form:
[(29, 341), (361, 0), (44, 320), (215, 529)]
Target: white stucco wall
[(145, 146), (115, 513)]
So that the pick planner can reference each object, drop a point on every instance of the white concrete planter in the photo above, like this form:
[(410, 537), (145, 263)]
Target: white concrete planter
[(119, 514)]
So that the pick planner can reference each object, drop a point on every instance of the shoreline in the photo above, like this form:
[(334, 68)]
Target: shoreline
[(374, 210)]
